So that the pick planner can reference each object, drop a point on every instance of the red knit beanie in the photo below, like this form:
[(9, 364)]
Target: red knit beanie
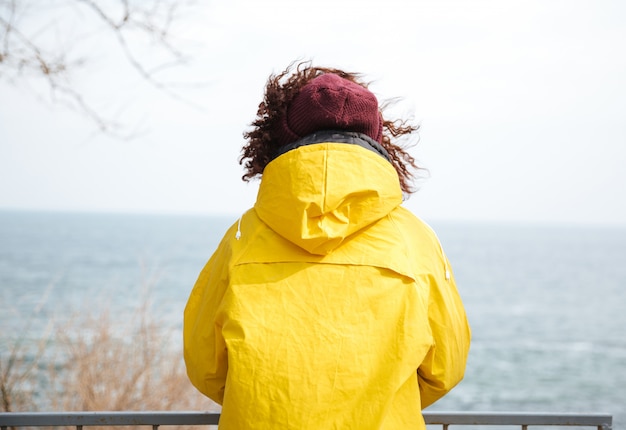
[(329, 102)]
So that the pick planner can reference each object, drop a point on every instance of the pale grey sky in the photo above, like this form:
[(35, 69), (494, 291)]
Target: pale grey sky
[(522, 106)]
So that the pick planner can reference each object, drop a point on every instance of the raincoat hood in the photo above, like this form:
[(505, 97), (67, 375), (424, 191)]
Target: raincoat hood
[(318, 194)]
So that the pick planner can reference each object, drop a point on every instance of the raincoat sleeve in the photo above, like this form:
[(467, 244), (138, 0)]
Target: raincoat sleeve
[(204, 346), (444, 365)]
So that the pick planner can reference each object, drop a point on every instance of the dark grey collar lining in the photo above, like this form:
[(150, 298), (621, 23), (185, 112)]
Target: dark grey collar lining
[(337, 136)]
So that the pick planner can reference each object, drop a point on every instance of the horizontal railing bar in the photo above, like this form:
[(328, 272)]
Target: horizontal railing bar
[(518, 418), (129, 418), (106, 418)]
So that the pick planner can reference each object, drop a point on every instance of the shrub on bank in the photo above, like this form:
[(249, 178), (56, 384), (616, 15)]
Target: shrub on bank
[(95, 364)]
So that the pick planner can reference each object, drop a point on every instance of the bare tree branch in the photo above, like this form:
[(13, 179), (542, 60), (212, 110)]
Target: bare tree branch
[(25, 51), (141, 20)]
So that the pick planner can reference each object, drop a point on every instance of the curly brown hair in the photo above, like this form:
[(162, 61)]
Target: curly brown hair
[(281, 89)]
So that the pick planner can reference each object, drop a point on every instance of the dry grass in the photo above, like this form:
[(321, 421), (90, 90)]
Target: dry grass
[(19, 373), (96, 364)]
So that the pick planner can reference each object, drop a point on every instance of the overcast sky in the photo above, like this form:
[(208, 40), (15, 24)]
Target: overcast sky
[(522, 106)]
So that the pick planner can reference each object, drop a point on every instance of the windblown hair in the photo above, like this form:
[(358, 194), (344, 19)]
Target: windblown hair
[(280, 90)]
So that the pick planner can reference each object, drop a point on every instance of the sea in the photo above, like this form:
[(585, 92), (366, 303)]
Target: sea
[(546, 302)]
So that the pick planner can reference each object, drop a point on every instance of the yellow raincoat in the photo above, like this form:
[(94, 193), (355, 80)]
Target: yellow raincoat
[(327, 305)]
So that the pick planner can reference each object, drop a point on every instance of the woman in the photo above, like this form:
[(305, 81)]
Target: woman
[(328, 304)]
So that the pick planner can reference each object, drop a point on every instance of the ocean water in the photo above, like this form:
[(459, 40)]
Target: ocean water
[(546, 302)]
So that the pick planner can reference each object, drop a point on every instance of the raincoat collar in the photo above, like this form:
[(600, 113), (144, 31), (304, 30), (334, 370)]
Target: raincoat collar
[(337, 136)]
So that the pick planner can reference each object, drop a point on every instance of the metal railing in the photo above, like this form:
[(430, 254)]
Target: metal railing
[(156, 419)]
